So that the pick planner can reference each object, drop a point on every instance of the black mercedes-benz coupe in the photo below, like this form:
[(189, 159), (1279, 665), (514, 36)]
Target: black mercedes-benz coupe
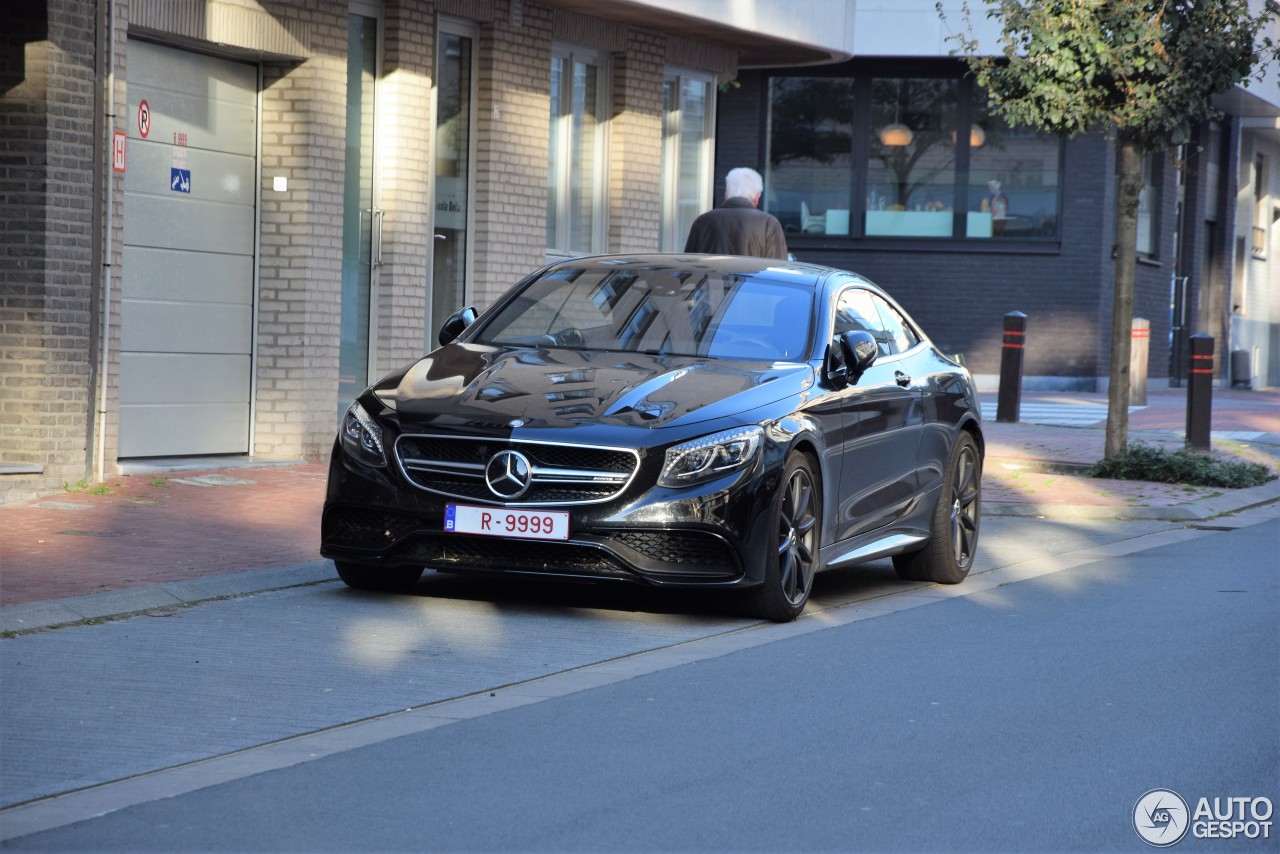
[(674, 420)]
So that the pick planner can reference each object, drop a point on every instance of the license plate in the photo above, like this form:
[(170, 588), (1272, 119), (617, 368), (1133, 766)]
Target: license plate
[(506, 522)]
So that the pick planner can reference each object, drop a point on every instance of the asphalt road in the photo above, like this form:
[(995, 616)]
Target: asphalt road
[(1027, 709)]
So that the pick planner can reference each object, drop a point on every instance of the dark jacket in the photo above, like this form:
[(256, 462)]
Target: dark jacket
[(737, 228)]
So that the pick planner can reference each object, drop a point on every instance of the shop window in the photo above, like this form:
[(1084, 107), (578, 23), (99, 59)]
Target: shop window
[(576, 184), (1013, 179), (914, 157), (810, 165), (687, 137)]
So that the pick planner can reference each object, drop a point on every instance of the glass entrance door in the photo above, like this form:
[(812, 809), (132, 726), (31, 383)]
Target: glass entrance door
[(454, 147), (359, 216)]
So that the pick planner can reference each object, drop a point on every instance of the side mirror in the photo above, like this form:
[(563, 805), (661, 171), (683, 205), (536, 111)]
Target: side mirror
[(835, 368), (860, 351), (457, 322)]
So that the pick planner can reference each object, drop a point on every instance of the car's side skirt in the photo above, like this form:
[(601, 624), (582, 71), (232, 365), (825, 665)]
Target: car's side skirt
[(885, 546)]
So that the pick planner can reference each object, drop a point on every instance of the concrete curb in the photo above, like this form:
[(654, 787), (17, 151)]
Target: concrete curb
[(168, 596), (1196, 511)]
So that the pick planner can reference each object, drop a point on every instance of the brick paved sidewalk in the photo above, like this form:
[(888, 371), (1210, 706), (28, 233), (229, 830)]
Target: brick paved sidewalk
[(146, 529), (1042, 466), (1018, 453)]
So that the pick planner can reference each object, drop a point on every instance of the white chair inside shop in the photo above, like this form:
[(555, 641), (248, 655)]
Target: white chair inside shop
[(811, 224)]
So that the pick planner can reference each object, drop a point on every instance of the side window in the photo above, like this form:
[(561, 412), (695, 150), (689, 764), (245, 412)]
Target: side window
[(856, 310), (901, 335)]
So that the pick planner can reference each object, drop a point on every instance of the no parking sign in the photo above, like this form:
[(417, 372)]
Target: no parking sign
[(144, 118)]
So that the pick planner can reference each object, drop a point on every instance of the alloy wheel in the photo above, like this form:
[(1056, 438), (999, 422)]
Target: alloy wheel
[(797, 537), (965, 492)]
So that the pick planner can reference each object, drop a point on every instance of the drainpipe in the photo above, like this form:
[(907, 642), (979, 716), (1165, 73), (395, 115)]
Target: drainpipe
[(106, 215)]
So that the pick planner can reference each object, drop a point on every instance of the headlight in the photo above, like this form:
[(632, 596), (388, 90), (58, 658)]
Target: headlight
[(362, 437), (711, 456)]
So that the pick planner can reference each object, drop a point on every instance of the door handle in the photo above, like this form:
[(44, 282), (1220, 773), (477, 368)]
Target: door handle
[(901, 379), (378, 214)]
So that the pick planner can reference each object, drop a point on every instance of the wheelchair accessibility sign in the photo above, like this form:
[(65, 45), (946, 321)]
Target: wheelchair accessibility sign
[(180, 180)]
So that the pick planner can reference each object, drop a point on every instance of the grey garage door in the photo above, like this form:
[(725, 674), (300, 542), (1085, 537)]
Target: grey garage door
[(187, 324)]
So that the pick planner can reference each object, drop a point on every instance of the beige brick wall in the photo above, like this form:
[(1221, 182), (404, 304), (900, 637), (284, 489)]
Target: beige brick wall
[(635, 145), (513, 129), (300, 261), (404, 150)]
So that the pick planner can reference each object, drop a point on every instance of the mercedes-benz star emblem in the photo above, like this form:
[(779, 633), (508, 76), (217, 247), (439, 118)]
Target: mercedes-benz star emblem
[(508, 474)]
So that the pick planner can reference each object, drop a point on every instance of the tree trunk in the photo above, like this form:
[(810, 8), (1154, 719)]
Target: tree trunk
[(1130, 167)]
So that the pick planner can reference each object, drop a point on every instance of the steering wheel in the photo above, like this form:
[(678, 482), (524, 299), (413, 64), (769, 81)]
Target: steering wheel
[(570, 336)]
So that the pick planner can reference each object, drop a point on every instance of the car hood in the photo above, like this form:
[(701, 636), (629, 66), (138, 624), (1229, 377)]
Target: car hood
[(485, 386)]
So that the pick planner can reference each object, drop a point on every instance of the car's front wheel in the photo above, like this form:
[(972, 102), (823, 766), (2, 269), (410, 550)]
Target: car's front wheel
[(793, 560), (392, 579), (953, 537)]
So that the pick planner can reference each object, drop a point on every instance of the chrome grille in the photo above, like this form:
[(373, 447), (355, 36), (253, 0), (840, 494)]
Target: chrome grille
[(561, 474)]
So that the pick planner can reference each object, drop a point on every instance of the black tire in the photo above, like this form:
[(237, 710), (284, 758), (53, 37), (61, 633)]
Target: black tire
[(384, 579), (948, 554), (793, 561)]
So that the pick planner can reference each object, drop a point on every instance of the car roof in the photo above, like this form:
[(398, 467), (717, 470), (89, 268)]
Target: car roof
[(734, 264)]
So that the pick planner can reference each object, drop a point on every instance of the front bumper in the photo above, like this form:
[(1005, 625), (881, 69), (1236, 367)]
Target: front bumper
[(709, 536)]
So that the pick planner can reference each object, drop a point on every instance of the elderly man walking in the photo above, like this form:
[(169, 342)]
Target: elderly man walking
[(737, 227)]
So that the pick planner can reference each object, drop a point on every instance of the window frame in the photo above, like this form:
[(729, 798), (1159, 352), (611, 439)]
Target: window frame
[(561, 165)]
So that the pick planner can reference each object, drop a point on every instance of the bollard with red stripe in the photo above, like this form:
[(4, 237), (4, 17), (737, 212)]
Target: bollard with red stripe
[(1139, 357), (1009, 399), (1200, 392)]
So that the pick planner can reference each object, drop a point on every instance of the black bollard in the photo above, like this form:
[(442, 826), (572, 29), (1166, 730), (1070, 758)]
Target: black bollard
[(1200, 391), (1009, 400)]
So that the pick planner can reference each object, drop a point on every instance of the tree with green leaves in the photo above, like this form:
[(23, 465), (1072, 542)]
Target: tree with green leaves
[(1143, 71)]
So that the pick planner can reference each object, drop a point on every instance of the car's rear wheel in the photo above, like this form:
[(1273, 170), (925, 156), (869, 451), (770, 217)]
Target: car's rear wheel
[(953, 537), (790, 566), (386, 579)]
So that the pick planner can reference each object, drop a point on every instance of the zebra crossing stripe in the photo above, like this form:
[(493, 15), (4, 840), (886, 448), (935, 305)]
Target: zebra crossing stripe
[(1058, 414)]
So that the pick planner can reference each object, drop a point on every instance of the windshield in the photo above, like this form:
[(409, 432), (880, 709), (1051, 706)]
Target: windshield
[(680, 312)]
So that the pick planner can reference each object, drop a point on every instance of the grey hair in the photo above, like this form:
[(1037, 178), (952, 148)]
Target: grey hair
[(743, 182)]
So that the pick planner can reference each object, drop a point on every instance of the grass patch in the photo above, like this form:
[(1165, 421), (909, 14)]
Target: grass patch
[(1140, 461), (83, 487)]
